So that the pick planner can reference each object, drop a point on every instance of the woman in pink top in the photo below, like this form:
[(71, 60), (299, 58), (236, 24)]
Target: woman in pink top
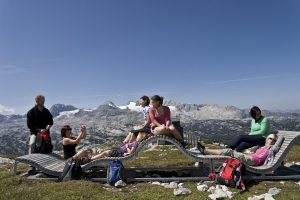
[(161, 120), (254, 159)]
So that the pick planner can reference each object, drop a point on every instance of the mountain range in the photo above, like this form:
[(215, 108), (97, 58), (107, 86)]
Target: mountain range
[(111, 123)]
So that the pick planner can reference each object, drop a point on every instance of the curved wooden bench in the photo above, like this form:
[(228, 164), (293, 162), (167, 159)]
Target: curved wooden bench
[(196, 157), (53, 164), (49, 163)]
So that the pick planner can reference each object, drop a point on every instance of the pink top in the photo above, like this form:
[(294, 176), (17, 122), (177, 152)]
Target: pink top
[(260, 155), (161, 119)]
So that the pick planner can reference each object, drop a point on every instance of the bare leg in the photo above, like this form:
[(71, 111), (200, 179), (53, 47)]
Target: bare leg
[(172, 132), (212, 151), (82, 154), (175, 133), (132, 138), (127, 138), (162, 131), (101, 155)]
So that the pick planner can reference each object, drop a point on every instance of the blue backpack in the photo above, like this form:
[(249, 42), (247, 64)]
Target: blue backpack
[(115, 172)]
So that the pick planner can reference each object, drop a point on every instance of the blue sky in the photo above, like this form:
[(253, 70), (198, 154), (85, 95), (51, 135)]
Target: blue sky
[(239, 53)]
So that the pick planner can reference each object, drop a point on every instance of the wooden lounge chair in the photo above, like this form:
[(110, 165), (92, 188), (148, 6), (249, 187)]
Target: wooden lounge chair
[(290, 137)]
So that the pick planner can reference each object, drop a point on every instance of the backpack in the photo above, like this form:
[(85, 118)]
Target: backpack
[(71, 171), (115, 172), (43, 143), (230, 174)]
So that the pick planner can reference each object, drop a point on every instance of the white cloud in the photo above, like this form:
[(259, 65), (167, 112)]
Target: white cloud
[(112, 95), (10, 69), (247, 79), (5, 110)]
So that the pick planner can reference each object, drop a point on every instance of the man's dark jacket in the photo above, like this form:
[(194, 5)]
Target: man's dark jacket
[(37, 120)]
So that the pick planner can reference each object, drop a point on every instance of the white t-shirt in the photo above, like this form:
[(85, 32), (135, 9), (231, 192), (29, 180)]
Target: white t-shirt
[(145, 111)]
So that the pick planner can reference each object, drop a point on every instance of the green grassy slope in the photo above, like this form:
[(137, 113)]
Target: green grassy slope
[(16, 187)]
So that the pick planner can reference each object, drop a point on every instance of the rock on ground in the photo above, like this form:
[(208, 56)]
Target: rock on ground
[(202, 188), (120, 184), (274, 191), (171, 185), (6, 160), (182, 191)]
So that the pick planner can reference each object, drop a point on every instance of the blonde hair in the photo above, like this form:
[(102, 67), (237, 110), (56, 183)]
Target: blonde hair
[(39, 96), (141, 136), (273, 136)]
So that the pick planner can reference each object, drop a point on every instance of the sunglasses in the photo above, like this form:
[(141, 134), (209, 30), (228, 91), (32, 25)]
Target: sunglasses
[(272, 139)]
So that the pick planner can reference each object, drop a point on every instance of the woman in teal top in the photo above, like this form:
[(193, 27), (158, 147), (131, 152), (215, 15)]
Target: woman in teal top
[(260, 129)]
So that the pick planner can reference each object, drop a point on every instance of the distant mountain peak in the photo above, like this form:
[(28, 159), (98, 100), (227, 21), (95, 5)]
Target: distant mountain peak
[(109, 103), (170, 102), (57, 108)]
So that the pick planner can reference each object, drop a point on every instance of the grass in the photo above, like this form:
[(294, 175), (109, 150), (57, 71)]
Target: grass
[(16, 187)]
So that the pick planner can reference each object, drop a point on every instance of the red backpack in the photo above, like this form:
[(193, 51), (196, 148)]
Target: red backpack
[(230, 174), (43, 143)]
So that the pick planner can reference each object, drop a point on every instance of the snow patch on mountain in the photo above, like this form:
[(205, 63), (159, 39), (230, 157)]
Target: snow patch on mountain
[(68, 113), (109, 103), (56, 109), (132, 106), (172, 108)]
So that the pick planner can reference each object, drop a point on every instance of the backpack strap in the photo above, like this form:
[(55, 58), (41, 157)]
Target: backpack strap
[(240, 184), (222, 166)]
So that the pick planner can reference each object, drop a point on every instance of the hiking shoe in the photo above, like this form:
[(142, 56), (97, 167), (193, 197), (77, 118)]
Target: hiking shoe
[(120, 184), (184, 144), (200, 147)]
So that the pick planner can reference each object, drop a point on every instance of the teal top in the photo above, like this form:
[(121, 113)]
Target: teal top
[(260, 127)]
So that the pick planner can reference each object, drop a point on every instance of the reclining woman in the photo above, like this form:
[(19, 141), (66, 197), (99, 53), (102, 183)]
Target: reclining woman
[(161, 120), (124, 148), (260, 129), (254, 159), (144, 102), (70, 142)]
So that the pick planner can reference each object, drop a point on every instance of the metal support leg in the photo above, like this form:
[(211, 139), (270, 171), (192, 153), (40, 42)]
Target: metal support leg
[(211, 166), (202, 168), (15, 167)]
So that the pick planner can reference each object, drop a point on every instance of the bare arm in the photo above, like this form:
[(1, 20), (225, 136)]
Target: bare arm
[(147, 124), (168, 116), (74, 140), (168, 123), (132, 150)]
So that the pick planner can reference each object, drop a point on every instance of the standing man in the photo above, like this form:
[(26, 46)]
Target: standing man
[(39, 119)]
